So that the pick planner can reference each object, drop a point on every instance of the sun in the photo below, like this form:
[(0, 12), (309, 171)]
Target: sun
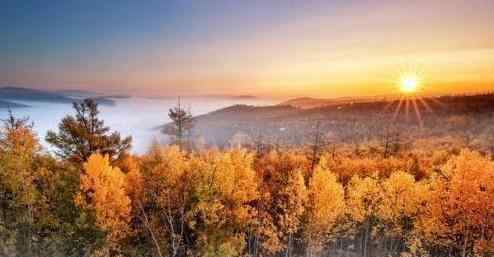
[(409, 83)]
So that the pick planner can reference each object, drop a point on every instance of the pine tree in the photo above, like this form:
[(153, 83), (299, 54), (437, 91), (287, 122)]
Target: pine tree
[(181, 124), (85, 134)]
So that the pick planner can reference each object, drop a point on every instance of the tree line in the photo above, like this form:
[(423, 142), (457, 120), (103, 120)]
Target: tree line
[(94, 198)]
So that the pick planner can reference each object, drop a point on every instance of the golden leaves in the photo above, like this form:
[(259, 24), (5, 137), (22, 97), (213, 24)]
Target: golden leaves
[(399, 197), (226, 199), (460, 209), (364, 196), (326, 204), (103, 190)]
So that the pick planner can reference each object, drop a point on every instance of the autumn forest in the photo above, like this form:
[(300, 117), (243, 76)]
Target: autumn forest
[(229, 128), (433, 197)]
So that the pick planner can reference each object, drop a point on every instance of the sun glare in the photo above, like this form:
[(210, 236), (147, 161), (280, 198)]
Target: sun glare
[(409, 83), (411, 100)]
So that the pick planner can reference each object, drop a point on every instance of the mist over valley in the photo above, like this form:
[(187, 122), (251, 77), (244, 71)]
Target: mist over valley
[(139, 117)]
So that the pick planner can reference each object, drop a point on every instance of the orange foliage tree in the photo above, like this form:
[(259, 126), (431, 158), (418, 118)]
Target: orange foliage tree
[(283, 195), (225, 190), (163, 203), (364, 198), (326, 205), (459, 218), (103, 191), (402, 199)]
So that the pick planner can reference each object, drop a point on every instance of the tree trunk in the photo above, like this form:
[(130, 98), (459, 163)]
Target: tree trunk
[(366, 238), (465, 242), (148, 226)]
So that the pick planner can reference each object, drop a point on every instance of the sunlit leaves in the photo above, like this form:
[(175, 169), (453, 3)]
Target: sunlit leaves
[(460, 210), (226, 187), (103, 191), (326, 204), (170, 202)]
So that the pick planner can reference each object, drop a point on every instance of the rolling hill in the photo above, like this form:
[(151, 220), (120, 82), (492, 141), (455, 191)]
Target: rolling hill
[(294, 122)]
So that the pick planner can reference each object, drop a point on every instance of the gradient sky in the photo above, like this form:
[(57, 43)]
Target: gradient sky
[(269, 48)]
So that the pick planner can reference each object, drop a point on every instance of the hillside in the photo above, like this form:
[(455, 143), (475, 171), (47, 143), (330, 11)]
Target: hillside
[(308, 102), (342, 119)]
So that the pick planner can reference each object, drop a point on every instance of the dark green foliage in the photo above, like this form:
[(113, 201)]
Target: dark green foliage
[(81, 135)]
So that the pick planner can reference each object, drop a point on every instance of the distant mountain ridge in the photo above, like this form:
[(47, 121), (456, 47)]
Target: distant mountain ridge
[(7, 104), (28, 94), (36, 95), (76, 93), (309, 102), (89, 94)]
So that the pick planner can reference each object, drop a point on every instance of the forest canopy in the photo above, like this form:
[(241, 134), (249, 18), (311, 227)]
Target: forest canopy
[(434, 197)]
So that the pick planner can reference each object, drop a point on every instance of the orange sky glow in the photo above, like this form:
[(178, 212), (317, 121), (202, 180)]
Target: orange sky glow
[(353, 49)]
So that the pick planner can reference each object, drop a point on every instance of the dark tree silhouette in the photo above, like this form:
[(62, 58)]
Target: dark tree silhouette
[(80, 136), (181, 124), (317, 143), (390, 141)]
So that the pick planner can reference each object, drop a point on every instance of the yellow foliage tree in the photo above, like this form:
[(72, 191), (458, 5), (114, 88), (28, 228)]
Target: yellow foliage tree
[(399, 200), (402, 200), (225, 189), (166, 180), (364, 198), (283, 196), (103, 191), (460, 211), (20, 200), (326, 204)]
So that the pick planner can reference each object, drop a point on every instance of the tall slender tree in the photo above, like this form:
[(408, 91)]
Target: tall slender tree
[(181, 124)]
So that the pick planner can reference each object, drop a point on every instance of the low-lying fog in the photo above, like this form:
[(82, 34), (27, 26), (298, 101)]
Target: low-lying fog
[(138, 117)]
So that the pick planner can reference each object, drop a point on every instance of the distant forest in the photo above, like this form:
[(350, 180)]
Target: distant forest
[(349, 122)]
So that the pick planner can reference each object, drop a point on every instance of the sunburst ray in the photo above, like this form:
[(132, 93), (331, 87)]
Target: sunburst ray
[(417, 112)]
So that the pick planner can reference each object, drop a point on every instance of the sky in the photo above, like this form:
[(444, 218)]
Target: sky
[(265, 48)]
